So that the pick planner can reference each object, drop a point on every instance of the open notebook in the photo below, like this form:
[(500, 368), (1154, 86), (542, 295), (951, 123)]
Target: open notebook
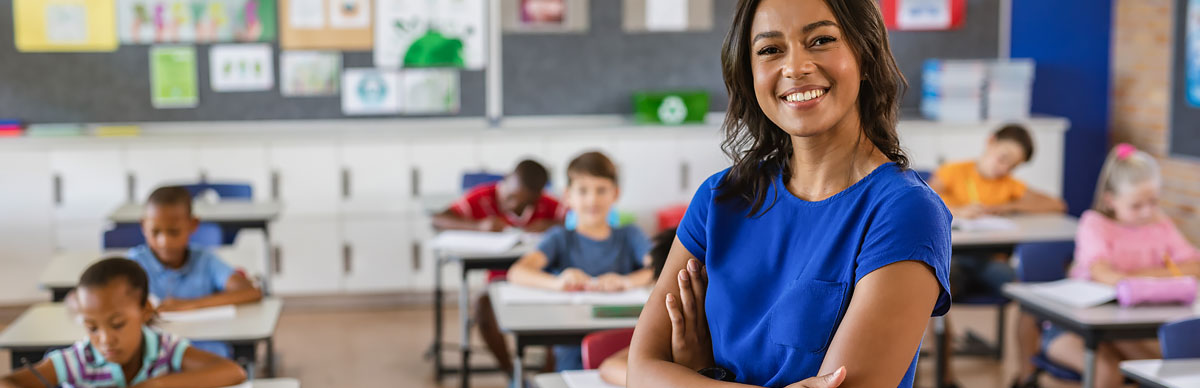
[(585, 379), (513, 294), (1077, 293), (984, 224), (218, 313), (477, 242)]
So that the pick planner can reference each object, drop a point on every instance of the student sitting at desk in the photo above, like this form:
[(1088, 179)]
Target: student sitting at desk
[(984, 187), (182, 276), (517, 201), (122, 350), (594, 256), (1125, 235)]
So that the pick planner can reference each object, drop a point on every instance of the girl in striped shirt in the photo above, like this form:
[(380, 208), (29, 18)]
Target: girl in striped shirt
[(121, 349)]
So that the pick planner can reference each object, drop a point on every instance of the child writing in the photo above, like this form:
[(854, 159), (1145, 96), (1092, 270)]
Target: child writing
[(183, 276), (516, 201), (1125, 235), (594, 256), (614, 368), (112, 302)]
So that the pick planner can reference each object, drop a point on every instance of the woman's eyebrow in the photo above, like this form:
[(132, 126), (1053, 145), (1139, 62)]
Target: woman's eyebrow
[(766, 35), (819, 24), (807, 29)]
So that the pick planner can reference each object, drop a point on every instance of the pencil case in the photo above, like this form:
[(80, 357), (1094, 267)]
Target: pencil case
[(1146, 290)]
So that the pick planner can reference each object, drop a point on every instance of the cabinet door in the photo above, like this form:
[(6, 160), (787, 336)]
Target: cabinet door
[(26, 224), (561, 150), (375, 179), (237, 164), (498, 154), (701, 157), (923, 148), (155, 166), (305, 178), (439, 165), (91, 182), (377, 255), (424, 261), (307, 256), (650, 174), (1045, 171)]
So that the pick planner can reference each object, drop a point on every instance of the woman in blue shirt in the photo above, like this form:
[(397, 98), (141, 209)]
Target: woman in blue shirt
[(821, 249)]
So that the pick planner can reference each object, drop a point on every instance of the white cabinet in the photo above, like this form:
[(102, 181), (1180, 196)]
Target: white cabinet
[(559, 151), (650, 173), (308, 256), (91, 181), (305, 178), (377, 255), (498, 154), (375, 179), (155, 165), (424, 262), (439, 165), (237, 164), (700, 153), (26, 223)]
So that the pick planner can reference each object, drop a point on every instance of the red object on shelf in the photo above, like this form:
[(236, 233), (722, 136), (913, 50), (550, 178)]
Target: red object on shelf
[(923, 15), (670, 217), (11, 131)]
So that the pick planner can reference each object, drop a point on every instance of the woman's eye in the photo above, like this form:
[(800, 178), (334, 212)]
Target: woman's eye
[(823, 41), (768, 50)]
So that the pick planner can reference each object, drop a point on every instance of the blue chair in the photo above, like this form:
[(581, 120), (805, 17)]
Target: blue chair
[(475, 179), (223, 190), (1046, 262), (130, 235), (1180, 339)]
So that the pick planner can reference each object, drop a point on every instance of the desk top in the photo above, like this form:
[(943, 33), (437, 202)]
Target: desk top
[(1179, 373), (224, 211), (50, 325), (549, 380), (270, 383), (1030, 228), (552, 319), (1107, 316), (64, 268)]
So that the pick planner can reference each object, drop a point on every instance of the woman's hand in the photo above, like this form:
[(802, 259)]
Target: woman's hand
[(691, 345), (827, 381)]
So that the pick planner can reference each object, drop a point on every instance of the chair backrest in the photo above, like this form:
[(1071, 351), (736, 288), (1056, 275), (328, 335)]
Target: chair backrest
[(224, 190), (603, 344), (1180, 339), (471, 180), (130, 235), (1044, 261)]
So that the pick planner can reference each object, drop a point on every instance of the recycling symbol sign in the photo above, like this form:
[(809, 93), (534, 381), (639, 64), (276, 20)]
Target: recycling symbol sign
[(672, 110)]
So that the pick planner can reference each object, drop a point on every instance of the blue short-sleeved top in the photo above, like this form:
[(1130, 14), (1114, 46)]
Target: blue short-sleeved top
[(780, 282), (620, 253), (202, 275)]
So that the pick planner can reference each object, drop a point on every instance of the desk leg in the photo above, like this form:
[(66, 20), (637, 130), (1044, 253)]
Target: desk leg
[(1089, 361), (518, 364), (271, 372), (464, 319), (436, 349), (942, 348)]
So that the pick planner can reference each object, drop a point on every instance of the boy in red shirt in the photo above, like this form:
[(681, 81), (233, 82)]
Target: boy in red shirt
[(516, 201)]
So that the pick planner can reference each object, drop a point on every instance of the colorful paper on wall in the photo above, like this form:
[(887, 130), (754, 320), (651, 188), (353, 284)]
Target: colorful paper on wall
[(196, 21), (1192, 57), (310, 73), (306, 14), (173, 77), (429, 91), (64, 25), (427, 33), (370, 92), (349, 14), (241, 67)]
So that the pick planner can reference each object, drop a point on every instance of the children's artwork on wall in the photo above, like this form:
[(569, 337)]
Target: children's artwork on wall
[(430, 33), (544, 16), (326, 25), (370, 92), (173, 77), (543, 11), (666, 15), (64, 25), (305, 14), (429, 91), (196, 21), (310, 73), (1192, 53), (923, 15), (241, 67), (350, 14)]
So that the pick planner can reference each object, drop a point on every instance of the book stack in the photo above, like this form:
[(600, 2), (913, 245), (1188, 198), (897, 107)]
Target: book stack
[(974, 90)]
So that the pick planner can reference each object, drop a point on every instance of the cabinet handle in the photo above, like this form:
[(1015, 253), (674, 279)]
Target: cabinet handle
[(130, 186), (416, 182), (58, 189), (347, 257), (684, 171), (203, 176), (416, 256), (275, 184), (277, 259), (345, 183)]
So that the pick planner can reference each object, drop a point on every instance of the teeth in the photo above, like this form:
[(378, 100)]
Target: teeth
[(804, 96)]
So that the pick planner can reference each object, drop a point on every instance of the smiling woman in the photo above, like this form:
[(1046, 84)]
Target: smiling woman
[(818, 257)]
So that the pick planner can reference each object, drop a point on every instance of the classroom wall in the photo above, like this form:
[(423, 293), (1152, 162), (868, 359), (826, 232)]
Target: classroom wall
[(1072, 56), (1142, 44)]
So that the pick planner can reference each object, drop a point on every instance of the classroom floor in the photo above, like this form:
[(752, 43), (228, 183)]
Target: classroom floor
[(356, 347)]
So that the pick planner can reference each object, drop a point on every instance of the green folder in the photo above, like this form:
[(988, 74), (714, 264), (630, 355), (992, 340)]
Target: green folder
[(629, 311)]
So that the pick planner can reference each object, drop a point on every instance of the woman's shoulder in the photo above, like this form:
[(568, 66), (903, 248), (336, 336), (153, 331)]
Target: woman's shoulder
[(898, 186)]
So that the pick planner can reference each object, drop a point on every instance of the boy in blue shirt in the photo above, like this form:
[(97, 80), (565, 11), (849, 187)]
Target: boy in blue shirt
[(594, 256), (182, 276)]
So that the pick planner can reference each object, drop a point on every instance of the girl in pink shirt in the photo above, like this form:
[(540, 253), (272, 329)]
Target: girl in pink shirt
[(1125, 235)]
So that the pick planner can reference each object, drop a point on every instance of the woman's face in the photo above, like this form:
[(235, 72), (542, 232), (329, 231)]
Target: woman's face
[(806, 75)]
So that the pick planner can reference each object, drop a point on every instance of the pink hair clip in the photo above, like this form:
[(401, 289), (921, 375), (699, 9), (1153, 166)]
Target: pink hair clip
[(1125, 150)]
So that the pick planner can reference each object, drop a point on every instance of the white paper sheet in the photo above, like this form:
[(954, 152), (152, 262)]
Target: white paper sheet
[(218, 313), (66, 23), (1078, 293), (350, 14), (985, 224), (513, 294), (370, 91), (310, 73), (923, 14), (666, 15), (476, 242), (429, 91), (241, 67), (306, 14), (585, 379)]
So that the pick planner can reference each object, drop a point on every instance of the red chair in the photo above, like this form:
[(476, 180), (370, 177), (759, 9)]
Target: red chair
[(669, 217), (603, 344)]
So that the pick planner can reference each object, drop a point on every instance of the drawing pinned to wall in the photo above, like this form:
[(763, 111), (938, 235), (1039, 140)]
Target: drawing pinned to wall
[(666, 15), (1192, 53), (173, 77), (349, 13), (306, 14), (370, 92), (241, 67), (310, 73), (543, 11), (196, 21), (64, 25), (429, 91), (639, 16), (430, 33), (544, 16)]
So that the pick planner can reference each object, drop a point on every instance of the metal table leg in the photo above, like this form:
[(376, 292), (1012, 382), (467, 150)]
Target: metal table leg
[(435, 351), (1089, 361), (464, 320)]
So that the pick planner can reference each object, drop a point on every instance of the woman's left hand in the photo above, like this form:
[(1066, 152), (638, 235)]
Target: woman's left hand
[(691, 345)]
